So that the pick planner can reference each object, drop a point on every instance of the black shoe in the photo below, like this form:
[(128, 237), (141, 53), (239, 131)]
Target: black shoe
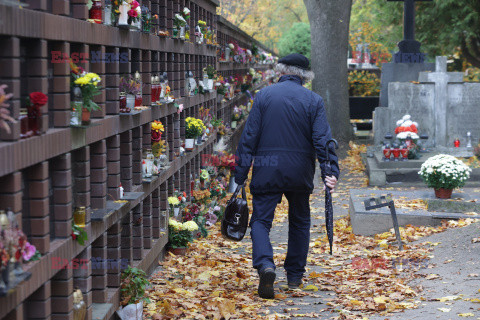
[(294, 284), (265, 288)]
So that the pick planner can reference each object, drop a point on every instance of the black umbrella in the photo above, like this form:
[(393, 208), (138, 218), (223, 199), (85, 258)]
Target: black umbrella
[(328, 196)]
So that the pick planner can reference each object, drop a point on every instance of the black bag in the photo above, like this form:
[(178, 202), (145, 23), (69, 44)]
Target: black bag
[(235, 218)]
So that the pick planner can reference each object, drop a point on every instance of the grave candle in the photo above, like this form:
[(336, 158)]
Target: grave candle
[(456, 143), (95, 13)]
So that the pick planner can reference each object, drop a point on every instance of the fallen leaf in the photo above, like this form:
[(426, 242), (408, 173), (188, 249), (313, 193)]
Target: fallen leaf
[(432, 276), (444, 309), (311, 287)]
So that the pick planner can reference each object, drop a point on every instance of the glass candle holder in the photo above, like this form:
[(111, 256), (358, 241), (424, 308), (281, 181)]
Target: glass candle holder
[(79, 217), (96, 12)]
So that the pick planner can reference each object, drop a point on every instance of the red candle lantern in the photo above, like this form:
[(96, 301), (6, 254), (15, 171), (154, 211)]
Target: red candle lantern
[(138, 100), (404, 153), (396, 153), (456, 143), (96, 11), (387, 152)]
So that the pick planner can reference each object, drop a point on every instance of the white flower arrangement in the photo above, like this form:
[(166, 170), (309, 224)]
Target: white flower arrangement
[(179, 21), (404, 135), (444, 171), (186, 11)]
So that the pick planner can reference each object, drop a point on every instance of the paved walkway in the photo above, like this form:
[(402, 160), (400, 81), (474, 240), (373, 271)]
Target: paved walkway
[(217, 279)]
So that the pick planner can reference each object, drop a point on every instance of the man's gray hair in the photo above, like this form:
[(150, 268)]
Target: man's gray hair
[(306, 75)]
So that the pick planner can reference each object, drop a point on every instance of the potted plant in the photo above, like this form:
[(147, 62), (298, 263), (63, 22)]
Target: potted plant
[(180, 235), (88, 83), (444, 173), (133, 290), (193, 129)]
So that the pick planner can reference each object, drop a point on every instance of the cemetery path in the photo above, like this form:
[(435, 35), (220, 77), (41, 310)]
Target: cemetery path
[(453, 276), (215, 279)]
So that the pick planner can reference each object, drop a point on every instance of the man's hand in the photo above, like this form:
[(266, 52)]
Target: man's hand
[(331, 182)]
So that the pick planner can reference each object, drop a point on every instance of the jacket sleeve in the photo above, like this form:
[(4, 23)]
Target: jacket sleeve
[(248, 142), (321, 133)]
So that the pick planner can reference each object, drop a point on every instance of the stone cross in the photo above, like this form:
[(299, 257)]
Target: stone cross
[(409, 48), (441, 78)]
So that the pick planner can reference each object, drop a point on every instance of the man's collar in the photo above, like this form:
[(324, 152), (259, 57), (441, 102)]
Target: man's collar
[(291, 77)]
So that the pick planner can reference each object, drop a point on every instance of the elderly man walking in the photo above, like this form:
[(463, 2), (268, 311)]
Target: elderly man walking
[(286, 130)]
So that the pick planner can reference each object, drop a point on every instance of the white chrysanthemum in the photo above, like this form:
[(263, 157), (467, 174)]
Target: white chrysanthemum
[(406, 117), (407, 123), (399, 122)]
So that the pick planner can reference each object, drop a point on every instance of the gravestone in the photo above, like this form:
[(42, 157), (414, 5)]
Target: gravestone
[(409, 61), (445, 107)]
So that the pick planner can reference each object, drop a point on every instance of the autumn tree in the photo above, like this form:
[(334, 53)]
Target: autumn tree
[(329, 25), (265, 20)]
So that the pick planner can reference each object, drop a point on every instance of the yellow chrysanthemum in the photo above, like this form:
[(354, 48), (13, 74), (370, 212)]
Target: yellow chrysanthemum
[(82, 81)]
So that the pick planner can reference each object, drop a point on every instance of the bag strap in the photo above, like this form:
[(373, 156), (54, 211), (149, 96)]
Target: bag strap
[(235, 194)]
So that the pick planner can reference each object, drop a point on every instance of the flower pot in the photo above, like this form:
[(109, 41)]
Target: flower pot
[(233, 125), (130, 101), (131, 312), (178, 251), (199, 140), (85, 116), (123, 17), (175, 33), (189, 144), (443, 193)]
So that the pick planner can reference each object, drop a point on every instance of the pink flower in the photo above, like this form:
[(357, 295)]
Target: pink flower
[(133, 13), (134, 4), (180, 108), (29, 251)]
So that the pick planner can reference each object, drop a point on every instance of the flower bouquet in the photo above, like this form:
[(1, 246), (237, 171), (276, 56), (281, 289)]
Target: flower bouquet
[(186, 29), (88, 83), (200, 31), (179, 24), (129, 12), (14, 250), (4, 112), (444, 173), (130, 88), (34, 103), (174, 205)]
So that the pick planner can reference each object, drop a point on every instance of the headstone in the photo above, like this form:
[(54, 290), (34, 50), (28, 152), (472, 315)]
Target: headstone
[(400, 72), (445, 107)]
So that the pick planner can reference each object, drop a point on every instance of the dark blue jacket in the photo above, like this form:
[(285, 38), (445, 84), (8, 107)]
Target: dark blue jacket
[(286, 128)]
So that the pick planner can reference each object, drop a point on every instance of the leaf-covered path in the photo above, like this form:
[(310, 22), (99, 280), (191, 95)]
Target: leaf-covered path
[(216, 280)]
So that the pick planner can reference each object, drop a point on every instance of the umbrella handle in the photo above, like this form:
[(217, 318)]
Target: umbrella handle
[(335, 143)]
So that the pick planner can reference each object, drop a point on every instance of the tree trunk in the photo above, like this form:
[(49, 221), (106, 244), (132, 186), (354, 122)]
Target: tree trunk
[(329, 25)]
